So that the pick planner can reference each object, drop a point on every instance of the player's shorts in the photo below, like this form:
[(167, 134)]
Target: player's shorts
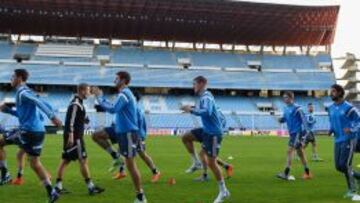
[(12, 137), (30, 142), (141, 146), (76, 152), (111, 133), (211, 144), (198, 134), (128, 143), (310, 138), (296, 140)]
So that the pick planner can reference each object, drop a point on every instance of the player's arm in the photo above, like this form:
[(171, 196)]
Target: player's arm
[(115, 107), (354, 116), (301, 113), (205, 108), (282, 119), (43, 106), (73, 108)]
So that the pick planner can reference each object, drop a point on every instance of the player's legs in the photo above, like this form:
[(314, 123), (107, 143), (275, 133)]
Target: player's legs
[(188, 140), (301, 153), (204, 176), (150, 163), (4, 176), (41, 173), (343, 163), (60, 174), (228, 167), (85, 172), (20, 158)]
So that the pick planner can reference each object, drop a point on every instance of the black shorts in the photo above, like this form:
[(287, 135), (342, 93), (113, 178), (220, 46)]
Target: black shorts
[(76, 152), (198, 134), (110, 131), (310, 138)]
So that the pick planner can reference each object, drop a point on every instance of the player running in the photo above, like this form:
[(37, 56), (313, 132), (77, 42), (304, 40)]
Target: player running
[(310, 137), (74, 145), (142, 133), (344, 124), (32, 127), (126, 126), (294, 117), (211, 133)]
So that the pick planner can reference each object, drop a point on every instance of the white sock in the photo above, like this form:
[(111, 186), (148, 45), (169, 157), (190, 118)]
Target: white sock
[(222, 186), (59, 185), (195, 158), (90, 185)]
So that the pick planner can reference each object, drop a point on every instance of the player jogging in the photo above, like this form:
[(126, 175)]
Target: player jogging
[(74, 145), (295, 119), (344, 124), (310, 137), (211, 133), (126, 126), (32, 126)]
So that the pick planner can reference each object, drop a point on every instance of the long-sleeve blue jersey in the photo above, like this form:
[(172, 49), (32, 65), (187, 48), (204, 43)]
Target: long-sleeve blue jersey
[(142, 132), (310, 121), (344, 115), (295, 119), (210, 115), (125, 111), (27, 105)]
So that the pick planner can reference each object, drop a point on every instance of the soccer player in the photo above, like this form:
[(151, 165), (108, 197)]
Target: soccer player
[(295, 119), (310, 137), (126, 126), (74, 145), (211, 133), (32, 126), (344, 124)]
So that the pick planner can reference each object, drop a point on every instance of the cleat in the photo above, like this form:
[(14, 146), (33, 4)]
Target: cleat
[(119, 176), (350, 194), (54, 196), (115, 165), (284, 177), (194, 167), (230, 171), (355, 198), (156, 177), (6, 180), (62, 191), (307, 176), (18, 181), (96, 190), (222, 196), (139, 201), (202, 178)]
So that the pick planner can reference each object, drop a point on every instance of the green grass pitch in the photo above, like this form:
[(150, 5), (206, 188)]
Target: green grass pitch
[(256, 161)]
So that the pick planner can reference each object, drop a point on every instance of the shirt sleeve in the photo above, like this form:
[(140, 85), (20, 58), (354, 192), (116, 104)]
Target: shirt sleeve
[(282, 118), (354, 116), (43, 106), (115, 107), (301, 113), (205, 108)]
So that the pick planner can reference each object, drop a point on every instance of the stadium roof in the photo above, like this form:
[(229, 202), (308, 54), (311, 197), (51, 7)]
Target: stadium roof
[(210, 21)]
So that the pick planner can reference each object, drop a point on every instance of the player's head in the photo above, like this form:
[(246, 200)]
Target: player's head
[(83, 90), (337, 92), (288, 97), (310, 107), (199, 84), (137, 96), (122, 79), (19, 76)]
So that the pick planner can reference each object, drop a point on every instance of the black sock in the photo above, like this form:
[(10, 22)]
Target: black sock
[(87, 180), (226, 166), (19, 175), (154, 171), (58, 180), (48, 189), (307, 170), (287, 171), (114, 155), (140, 196), (205, 175), (121, 169), (4, 171)]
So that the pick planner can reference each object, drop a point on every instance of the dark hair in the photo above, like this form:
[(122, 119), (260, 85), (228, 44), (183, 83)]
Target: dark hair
[(339, 89), (137, 95), (22, 73), (123, 75), (82, 86), (290, 94), (310, 104), (200, 79)]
